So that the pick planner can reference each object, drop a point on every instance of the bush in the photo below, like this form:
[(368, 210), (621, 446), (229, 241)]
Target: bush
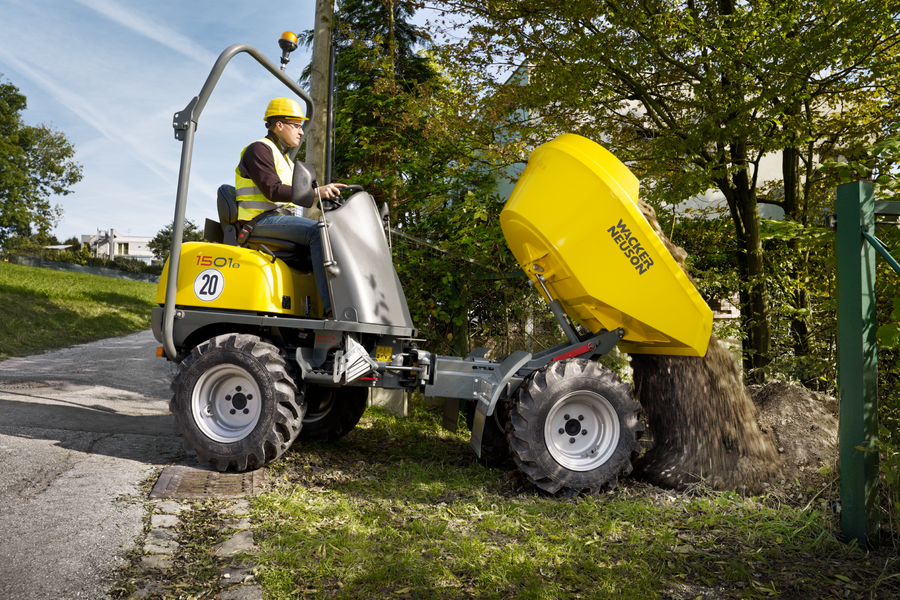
[(33, 249), (131, 265)]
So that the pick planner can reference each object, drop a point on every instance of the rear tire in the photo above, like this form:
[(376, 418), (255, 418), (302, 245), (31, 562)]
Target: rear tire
[(573, 428), (332, 412), (235, 404)]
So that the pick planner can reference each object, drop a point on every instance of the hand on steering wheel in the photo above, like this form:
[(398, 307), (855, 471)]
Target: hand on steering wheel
[(331, 190)]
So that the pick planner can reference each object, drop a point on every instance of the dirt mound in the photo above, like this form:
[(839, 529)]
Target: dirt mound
[(804, 426)]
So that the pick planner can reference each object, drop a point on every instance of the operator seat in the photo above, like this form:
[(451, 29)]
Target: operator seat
[(226, 232)]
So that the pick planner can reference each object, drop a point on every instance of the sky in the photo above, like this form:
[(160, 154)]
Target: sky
[(111, 74)]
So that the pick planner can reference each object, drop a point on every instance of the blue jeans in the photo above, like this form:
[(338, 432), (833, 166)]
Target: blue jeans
[(301, 231)]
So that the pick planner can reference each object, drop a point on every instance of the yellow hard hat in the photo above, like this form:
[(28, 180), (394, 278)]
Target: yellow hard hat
[(284, 107)]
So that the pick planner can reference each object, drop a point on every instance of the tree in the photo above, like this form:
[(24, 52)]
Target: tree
[(36, 162), (405, 131), (74, 244), (317, 76), (692, 94), (379, 77), (161, 244)]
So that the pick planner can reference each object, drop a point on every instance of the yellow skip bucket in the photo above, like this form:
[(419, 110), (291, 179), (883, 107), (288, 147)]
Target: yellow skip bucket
[(572, 219)]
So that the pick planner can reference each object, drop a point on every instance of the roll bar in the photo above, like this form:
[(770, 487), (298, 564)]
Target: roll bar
[(185, 124)]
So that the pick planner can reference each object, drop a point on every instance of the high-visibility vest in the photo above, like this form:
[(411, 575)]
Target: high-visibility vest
[(250, 200)]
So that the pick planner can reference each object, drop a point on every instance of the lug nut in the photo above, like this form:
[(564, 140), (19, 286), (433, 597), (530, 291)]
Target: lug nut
[(584, 432), (561, 431), (228, 398), (249, 396), (566, 417), (581, 417), (232, 411), (246, 411), (571, 440), (237, 389)]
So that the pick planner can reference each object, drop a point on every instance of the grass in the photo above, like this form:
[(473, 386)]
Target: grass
[(401, 509), (42, 309)]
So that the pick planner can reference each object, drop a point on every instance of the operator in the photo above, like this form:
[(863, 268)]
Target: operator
[(263, 183)]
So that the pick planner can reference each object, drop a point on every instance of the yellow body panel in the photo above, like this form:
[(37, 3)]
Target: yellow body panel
[(218, 276), (573, 218)]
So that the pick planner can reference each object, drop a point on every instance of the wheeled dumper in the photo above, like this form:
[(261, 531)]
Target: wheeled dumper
[(260, 368)]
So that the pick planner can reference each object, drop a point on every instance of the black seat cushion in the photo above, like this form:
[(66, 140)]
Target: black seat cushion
[(226, 203)]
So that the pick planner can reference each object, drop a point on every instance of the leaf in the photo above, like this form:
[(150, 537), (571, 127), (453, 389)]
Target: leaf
[(889, 335), (843, 578)]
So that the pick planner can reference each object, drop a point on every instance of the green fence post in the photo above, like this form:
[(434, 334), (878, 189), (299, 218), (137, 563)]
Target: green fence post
[(857, 362)]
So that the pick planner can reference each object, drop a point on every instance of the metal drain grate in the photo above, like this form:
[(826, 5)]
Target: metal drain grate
[(196, 484)]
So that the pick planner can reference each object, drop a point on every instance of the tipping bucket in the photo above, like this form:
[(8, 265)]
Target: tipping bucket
[(572, 219)]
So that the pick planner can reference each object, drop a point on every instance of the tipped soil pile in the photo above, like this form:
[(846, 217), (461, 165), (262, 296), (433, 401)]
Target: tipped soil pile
[(701, 416), (804, 426)]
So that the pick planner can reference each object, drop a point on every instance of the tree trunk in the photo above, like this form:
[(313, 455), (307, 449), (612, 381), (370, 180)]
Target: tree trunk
[(793, 211), (318, 90), (754, 294)]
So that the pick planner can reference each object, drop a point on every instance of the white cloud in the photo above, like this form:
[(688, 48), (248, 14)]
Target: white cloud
[(151, 29)]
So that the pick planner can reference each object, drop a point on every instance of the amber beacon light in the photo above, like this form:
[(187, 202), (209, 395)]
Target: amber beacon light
[(288, 43)]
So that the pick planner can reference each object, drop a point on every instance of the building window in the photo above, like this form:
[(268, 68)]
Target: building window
[(122, 248)]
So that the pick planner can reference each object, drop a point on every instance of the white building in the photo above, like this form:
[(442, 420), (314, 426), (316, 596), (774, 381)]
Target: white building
[(111, 244)]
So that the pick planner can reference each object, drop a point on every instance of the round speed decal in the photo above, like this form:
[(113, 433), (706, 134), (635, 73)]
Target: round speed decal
[(209, 285)]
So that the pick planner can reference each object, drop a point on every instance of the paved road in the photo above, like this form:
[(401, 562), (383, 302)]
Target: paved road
[(81, 430)]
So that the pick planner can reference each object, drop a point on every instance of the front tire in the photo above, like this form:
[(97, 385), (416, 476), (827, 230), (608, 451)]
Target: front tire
[(573, 428), (235, 404)]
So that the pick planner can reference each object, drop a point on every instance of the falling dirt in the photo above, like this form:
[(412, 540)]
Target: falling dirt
[(703, 422)]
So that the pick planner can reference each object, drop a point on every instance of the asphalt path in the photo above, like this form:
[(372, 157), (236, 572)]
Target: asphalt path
[(83, 433)]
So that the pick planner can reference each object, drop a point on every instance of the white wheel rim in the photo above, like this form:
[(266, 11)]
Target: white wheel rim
[(582, 431), (226, 403)]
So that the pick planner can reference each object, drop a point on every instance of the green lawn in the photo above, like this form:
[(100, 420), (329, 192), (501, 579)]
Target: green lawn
[(402, 509), (42, 309)]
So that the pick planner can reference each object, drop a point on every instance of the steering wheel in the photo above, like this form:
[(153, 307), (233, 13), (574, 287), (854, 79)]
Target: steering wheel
[(336, 202)]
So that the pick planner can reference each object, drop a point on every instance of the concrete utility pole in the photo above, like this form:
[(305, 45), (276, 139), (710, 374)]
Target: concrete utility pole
[(318, 90)]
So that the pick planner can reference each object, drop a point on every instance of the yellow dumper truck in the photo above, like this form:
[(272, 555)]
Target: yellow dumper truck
[(260, 368)]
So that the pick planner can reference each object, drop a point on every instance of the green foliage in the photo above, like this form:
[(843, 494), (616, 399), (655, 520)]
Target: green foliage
[(36, 162), (888, 308), (161, 244), (875, 162), (35, 249), (74, 244), (692, 95), (802, 286), (888, 451), (403, 130), (889, 333)]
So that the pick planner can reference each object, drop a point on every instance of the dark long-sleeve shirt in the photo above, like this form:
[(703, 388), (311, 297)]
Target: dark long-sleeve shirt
[(258, 164)]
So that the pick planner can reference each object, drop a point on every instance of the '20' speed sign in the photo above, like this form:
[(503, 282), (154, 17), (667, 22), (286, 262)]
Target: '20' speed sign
[(209, 285)]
